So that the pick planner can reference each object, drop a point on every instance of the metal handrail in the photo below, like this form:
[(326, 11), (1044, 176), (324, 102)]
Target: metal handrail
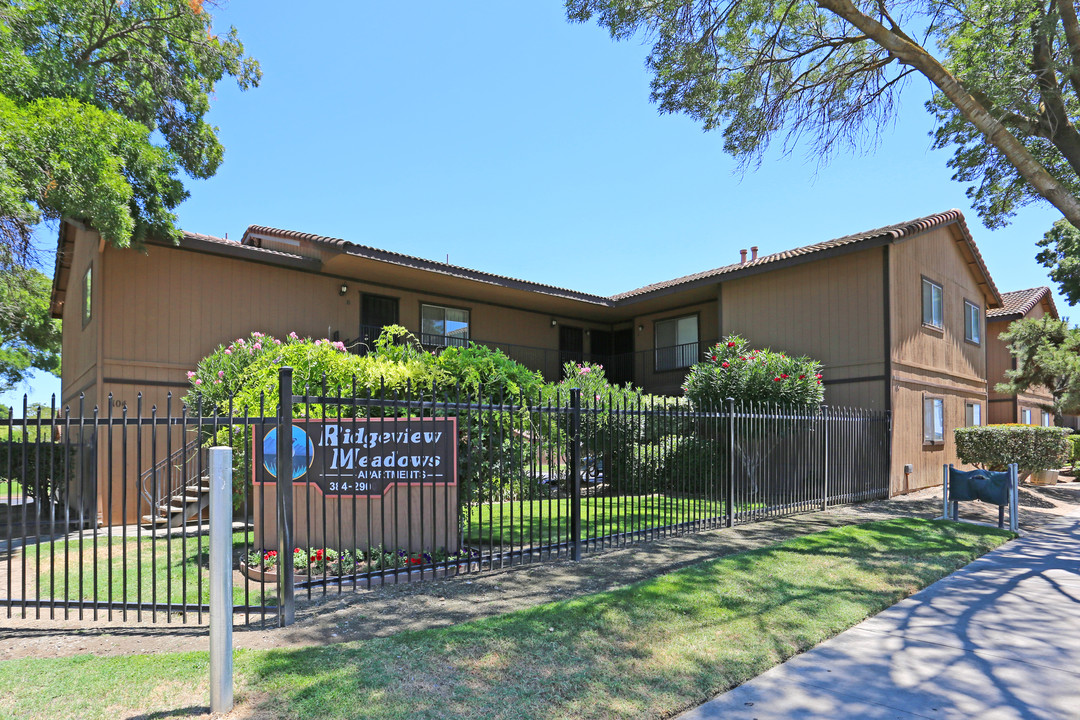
[(180, 458)]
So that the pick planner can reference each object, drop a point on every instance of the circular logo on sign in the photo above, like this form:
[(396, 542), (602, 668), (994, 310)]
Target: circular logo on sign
[(303, 452)]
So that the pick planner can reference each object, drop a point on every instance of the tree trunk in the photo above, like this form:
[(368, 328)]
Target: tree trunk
[(995, 132)]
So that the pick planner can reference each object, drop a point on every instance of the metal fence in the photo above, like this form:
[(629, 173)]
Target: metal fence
[(104, 515)]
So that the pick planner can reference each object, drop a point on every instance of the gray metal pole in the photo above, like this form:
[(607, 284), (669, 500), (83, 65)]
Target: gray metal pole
[(221, 586), (944, 492), (1014, 498)]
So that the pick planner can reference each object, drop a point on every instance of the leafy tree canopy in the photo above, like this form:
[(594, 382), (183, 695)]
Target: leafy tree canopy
[(102, 104), (29, 337), (1047, 354), (1006, 79)]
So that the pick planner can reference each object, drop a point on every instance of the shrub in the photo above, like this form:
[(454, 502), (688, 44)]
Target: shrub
[(49, 466), (1074, 450), (731, 369), (1031, 447)]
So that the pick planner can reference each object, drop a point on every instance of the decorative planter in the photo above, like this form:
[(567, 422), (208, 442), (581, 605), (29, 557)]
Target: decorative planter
[(1044, 477), (265, 576)]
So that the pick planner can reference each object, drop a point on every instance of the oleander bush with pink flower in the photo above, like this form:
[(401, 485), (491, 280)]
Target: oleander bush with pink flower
[(732, 369)]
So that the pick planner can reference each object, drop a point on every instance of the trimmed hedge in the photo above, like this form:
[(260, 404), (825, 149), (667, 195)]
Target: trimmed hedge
[(43, 461), (1074, 449), (1031, 447)]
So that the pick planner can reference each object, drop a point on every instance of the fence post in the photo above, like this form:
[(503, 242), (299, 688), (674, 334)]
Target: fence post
[(825, 458), (731, 463), (221, 587), (575, 471), (286, 601)]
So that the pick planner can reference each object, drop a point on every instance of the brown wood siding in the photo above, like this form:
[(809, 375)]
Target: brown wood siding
[(831, 310), (928, 361), (1003, 407), (80, 345), (669, 382)]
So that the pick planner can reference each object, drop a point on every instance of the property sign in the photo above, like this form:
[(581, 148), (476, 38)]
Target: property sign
[(365, 456)]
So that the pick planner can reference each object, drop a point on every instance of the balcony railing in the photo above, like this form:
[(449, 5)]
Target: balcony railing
[(660, 369)]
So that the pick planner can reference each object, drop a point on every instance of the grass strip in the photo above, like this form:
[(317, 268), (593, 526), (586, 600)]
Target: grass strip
[(650, 649)]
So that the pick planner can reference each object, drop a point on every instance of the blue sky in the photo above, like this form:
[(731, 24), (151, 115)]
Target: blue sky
[(502, 136)]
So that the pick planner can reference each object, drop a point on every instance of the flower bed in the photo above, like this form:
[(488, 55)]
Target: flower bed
[(319, 563)]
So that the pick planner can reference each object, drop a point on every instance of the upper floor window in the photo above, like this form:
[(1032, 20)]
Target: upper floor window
[(933, 313), (974, 414), (676, 343), (444, 326), (972, 322), (933, 420), (88, 295)]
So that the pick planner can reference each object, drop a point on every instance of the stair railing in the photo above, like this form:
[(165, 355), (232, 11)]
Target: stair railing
[(171, 477)]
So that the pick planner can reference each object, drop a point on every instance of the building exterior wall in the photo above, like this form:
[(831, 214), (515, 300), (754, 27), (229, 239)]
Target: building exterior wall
[(831, 310), (928, 362), (1005, 408), (81, 343)]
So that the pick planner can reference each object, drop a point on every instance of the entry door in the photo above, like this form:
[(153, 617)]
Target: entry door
[(376, 312), (622, 357), (571, 344)]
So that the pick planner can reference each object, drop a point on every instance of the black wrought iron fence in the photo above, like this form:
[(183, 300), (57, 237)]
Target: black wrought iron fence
[(104, 515)]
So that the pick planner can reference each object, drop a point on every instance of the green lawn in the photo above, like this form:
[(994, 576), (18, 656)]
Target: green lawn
[(170, 570), (15, 489), (650, 649), (545, 521)]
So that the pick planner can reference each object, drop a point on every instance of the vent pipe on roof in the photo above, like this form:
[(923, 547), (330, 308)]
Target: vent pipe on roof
[(753, 252), (742, 257)]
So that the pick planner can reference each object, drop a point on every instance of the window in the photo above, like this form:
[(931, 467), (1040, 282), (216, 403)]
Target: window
[(676, 343), (972, 322), (1045, 418), (1025, 416), (87, 308), (973, 411), (444, 326), (933, 420), (932, 312)]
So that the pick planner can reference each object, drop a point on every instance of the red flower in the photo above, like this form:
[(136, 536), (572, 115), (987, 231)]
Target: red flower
[(776, 379), (818, 376), (731, 344), (726, 364), (713, 357), (784, 376), (318, 555), (802, 377), (741, 357)]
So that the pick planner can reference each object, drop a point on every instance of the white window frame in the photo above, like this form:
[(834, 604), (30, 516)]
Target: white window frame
[(937, 319), (455, 339), (1025, 416), (680, 355), (973, 414), (933, 420), (1044, 418), (972, 323)]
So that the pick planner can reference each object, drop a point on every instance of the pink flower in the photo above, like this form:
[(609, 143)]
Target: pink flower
[(190, 374), (597, 397), (293, 335), (276, 341), (228, 351), (198, 381), (217, 382), (221, 373), (258, 346), (318, 343), (585, 370)]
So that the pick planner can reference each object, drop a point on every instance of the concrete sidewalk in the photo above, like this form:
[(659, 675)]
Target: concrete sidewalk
[(998, 639)]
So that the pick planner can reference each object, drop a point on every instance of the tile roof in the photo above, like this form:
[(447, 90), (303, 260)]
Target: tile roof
[(883, 235), (1020, 302), (251, 239), (887, 233)]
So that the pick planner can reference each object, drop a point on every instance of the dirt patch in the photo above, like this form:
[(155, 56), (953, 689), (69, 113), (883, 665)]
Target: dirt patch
[(360, 614)]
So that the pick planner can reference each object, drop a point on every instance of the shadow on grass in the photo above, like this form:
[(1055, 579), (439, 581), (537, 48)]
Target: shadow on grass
[(652, 648)]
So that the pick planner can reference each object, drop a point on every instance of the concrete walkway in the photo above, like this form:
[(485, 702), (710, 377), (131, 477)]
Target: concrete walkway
[(999, 639)]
